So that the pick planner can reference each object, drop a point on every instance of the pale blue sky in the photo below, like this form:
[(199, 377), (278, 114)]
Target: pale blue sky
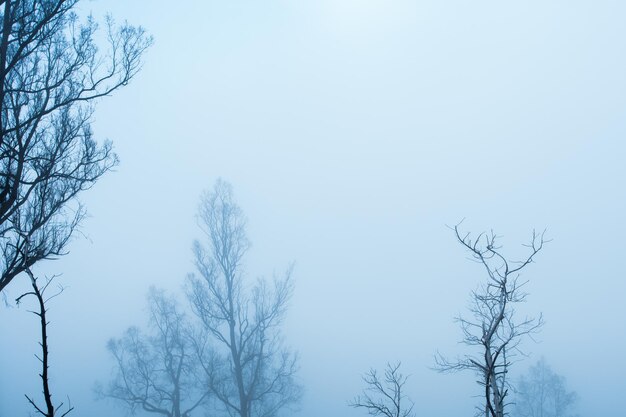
[(353, 132)]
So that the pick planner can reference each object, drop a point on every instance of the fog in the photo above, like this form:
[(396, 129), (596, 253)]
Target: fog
[(354, 133)]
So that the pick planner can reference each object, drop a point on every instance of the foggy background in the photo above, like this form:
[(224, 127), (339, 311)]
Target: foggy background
[(353, 132)]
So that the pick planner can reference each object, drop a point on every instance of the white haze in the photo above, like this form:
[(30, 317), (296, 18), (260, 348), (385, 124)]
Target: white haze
[(353, 132)]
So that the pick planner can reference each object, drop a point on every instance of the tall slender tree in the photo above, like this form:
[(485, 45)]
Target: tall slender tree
[(248, 369)]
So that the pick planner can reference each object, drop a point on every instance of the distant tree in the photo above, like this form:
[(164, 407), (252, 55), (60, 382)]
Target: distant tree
[(39, 292), (493, 327), (157, 372), (249, 370), (543, 393), (51, 74), (384, 397)]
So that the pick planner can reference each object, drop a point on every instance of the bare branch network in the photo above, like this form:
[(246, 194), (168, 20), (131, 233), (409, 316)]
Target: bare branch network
[(493, 326), (157, 372), (51, 74), (247, 368), (384, 396), (228, 357)]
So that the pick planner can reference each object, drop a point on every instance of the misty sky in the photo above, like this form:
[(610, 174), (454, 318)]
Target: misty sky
[(353, 132)]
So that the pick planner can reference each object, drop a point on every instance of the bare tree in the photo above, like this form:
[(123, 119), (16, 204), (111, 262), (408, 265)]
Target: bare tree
[(384, 397), (543, 393), (249, 371), (51, 73), (159, 372), (49, 410), (493, 326)]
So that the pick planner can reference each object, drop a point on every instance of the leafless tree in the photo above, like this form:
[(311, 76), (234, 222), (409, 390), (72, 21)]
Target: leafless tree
[(159, 372), (248, 370), (49, 410), (385, 397), (493, 327), (543, 393), (51, 74)]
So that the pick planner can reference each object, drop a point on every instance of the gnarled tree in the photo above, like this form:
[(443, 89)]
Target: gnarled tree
[(51, 73), (493, 327), (248, 370)]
